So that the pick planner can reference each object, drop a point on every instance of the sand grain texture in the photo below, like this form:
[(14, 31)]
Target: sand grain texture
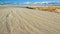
[(14, 20)]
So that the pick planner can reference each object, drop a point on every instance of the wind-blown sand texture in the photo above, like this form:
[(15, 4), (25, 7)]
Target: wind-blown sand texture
[(14, 20)]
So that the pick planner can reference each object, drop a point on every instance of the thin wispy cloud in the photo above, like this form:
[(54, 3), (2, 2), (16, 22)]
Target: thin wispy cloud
[(35, 2), (27, 2)]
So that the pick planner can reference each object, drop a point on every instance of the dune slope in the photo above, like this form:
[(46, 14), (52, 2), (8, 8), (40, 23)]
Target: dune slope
[(14, 20)]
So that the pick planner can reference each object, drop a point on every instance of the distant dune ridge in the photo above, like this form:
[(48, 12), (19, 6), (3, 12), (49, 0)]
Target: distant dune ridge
[(15, 20), (47, 8)]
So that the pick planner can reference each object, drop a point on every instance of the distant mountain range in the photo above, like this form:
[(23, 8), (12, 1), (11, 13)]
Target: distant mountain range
[(34, 3)]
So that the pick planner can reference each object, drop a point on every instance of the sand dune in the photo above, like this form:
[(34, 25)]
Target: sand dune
[(14, 20), (46, 8)]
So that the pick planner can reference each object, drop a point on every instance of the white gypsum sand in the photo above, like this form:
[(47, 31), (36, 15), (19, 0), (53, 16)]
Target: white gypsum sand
[(14, 20)]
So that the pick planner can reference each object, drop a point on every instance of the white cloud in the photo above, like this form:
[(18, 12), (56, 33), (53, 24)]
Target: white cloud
[(36, 2), (44, 2), (27, 2), (40, 3)]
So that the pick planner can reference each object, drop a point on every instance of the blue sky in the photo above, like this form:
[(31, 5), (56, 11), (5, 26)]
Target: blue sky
[(26, 0), (22, 1)]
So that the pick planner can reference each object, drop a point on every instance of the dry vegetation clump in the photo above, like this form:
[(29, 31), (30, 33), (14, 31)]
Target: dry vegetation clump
[(47, 8)]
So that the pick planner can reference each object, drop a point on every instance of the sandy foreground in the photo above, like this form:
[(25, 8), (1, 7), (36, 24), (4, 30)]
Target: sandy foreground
[(14, 20)]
